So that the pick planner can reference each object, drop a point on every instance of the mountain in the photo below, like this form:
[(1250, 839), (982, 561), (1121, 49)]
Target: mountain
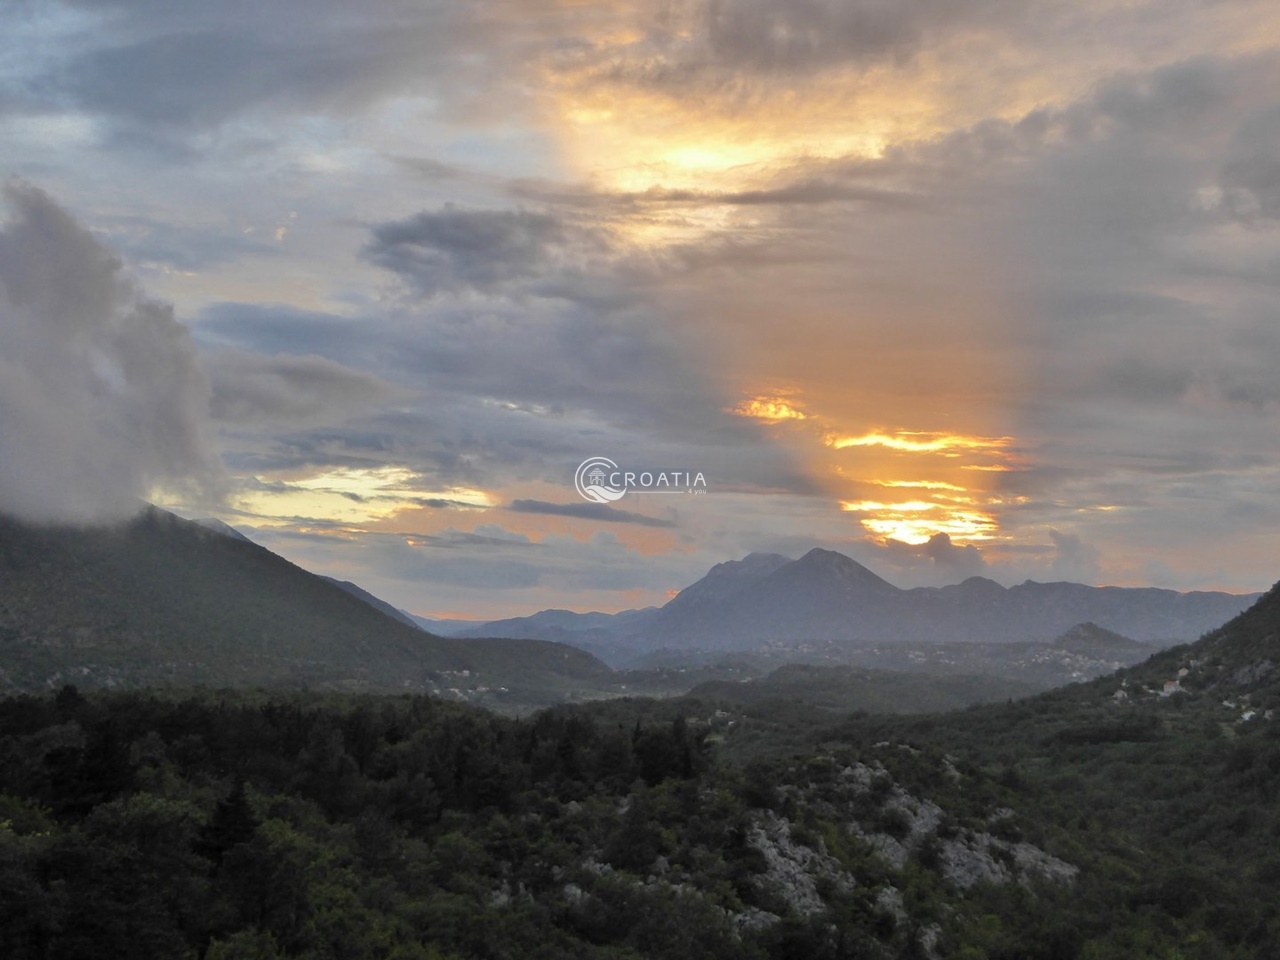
[(562, 625), (218, 526), (1236, 662), (445, 627), (724, 581), (825, 596), (814, 597), (599, 632), (1092, 640), (376, 602), (161, 600)]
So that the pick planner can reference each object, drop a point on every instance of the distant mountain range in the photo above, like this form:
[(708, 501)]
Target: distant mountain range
[(767, 599)]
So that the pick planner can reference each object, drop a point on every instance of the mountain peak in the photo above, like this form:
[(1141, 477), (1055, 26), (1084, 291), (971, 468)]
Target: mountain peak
[(818, 554), (822, 562), (1088, 637), (759, 558), (726, 579)]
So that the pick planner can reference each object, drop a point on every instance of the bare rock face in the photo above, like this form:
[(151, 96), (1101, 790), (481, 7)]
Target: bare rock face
[(793, 869), (982, 858), (963, 859)]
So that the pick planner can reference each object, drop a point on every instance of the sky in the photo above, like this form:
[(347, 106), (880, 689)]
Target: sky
[(955, 288)]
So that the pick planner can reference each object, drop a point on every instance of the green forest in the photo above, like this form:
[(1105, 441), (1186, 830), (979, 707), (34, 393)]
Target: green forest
[(264, 825)]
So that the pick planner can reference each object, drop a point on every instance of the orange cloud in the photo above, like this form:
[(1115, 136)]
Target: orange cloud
[(916, 521), (911, 441), (920, 485), (769, 409)]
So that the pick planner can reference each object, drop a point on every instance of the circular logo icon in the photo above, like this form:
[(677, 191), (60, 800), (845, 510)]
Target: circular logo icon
[(592, 480)]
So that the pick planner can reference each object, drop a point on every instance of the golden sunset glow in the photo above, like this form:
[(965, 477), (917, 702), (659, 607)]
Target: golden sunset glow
[(920, 442), (692, 154), (769, 410), (351, 495), (920, 485), (960, 527), (916, 521), (943, 502), (910, 506)]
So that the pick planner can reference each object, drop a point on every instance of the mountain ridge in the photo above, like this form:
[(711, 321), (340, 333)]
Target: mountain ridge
[(827, 596)]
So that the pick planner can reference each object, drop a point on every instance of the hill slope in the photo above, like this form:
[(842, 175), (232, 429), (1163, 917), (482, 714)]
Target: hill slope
[(162, 600)]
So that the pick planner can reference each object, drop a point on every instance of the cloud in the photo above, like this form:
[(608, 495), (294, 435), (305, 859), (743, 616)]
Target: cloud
[(181, 68), (292, 391), (935, 563), (713, 45), (810, 34), (529, 231), (588, 511), (453, 249), (1251, 171), (1075, 560), (492, 572), (965, 561), (102, 396)]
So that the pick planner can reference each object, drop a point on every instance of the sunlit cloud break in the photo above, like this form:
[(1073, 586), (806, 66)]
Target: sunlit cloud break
[(770, 409), (920, 485), (912, 441), (916, 521), (353, 495)]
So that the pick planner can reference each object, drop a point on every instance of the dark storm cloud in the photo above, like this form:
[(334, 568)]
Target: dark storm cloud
[(588, 511), (102, 396)]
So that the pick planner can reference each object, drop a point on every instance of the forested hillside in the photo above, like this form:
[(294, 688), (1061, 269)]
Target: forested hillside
[(243, 826)]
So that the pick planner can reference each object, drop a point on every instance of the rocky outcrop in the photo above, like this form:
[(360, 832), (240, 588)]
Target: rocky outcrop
[(792, 870)]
